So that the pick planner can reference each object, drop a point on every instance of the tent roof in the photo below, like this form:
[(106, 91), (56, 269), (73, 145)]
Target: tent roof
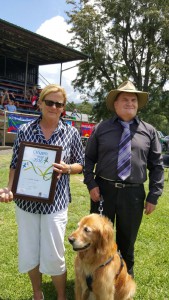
[(16, 42)]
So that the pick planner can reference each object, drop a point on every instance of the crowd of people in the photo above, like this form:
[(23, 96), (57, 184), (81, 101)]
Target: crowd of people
[(8, 99), (6, 96), (118, 154)]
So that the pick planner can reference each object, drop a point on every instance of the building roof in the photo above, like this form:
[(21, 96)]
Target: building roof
[(16, 42)]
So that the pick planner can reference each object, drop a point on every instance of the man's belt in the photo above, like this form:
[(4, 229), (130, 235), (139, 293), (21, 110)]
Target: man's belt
[(121, 185)]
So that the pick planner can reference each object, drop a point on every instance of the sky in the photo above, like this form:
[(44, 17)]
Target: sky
[(47, 18)]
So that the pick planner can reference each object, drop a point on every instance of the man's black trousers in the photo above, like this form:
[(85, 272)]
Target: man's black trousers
[(124, 207)]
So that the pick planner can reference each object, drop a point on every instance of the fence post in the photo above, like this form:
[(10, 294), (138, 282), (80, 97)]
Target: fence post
[(3, 144)]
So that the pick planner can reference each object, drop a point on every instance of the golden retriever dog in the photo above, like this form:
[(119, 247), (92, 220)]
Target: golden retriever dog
[(100, 271)]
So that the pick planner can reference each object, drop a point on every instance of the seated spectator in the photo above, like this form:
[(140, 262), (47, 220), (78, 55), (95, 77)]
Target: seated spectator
[(5, 97), (34, 101), (35, 96), (28, 95), (16, 103), (10, 106), (34, 90), (74, 113), (11, 96), (1, 95), (63, 114)]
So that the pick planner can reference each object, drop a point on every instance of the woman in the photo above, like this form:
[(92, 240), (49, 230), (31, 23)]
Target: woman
[(41, 226)]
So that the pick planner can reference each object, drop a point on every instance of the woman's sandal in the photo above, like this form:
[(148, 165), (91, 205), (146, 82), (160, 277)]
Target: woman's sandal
[(42, 297)]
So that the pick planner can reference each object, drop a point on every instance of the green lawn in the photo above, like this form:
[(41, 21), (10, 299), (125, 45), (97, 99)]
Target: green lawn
[(151, 253)]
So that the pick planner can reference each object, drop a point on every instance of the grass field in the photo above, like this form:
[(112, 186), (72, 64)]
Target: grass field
[(151, 251)]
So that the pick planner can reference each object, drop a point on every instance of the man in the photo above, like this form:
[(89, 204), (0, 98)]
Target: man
[(118, 154)]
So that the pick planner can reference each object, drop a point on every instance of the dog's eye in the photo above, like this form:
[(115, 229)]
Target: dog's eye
[(87, 229)]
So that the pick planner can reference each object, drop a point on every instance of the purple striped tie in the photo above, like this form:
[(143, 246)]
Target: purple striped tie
[(124, 155)]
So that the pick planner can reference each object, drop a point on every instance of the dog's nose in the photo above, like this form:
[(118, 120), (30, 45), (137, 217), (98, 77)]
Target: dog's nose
[(71, 239)]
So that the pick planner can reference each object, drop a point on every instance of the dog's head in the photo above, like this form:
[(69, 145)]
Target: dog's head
[(94, 231)]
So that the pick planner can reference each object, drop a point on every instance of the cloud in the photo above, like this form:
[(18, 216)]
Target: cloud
[(57, 29)]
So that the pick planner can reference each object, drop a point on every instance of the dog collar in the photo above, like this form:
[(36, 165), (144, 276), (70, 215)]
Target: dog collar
[(121, 264)]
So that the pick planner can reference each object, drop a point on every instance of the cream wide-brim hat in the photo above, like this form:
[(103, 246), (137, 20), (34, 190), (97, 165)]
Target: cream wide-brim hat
[(127, 87)]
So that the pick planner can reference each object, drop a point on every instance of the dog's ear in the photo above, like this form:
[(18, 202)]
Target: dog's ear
[(106, 238), (108, 232)]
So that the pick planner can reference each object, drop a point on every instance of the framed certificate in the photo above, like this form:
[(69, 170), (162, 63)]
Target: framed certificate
[(34, 178)]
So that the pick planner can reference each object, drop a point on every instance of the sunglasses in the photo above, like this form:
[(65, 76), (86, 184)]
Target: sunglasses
[(51, 103)]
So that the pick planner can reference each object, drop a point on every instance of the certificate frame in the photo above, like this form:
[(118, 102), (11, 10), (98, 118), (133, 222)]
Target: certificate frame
[(35, 179)]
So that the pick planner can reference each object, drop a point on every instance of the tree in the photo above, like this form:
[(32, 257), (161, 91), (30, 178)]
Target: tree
[(70, 106), (124, 39), (85, 107)]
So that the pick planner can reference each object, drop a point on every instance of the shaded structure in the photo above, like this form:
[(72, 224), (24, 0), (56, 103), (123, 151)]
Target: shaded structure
[(22, 52)]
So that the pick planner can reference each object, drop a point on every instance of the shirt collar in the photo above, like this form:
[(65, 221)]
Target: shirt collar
[(36, 126), (116, 118)]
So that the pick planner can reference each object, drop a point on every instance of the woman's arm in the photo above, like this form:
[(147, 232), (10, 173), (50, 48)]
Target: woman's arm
[(63, 168), (6, 194)]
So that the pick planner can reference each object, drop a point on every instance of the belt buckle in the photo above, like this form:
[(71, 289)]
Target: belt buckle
[(119, 185)]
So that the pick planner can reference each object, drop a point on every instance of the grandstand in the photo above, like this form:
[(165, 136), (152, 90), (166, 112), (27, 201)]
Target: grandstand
[(21, 54)]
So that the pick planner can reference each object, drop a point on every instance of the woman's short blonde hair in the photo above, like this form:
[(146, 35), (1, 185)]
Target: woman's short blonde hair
[(52, 88)]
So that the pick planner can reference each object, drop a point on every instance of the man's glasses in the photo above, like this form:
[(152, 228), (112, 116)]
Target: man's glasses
[(51, 103)]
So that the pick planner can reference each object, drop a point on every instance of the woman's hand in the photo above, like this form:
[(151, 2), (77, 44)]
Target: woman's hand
[(6, 195), (61, 168)]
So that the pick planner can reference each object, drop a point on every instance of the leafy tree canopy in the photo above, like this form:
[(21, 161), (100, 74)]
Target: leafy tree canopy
[(124, 40)]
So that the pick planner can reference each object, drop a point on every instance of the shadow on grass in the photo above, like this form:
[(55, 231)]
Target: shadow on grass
[(50, 292)]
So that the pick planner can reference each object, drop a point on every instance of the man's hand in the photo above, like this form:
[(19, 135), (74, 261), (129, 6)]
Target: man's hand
[(6, 195), (95, 194), (149, 208)]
